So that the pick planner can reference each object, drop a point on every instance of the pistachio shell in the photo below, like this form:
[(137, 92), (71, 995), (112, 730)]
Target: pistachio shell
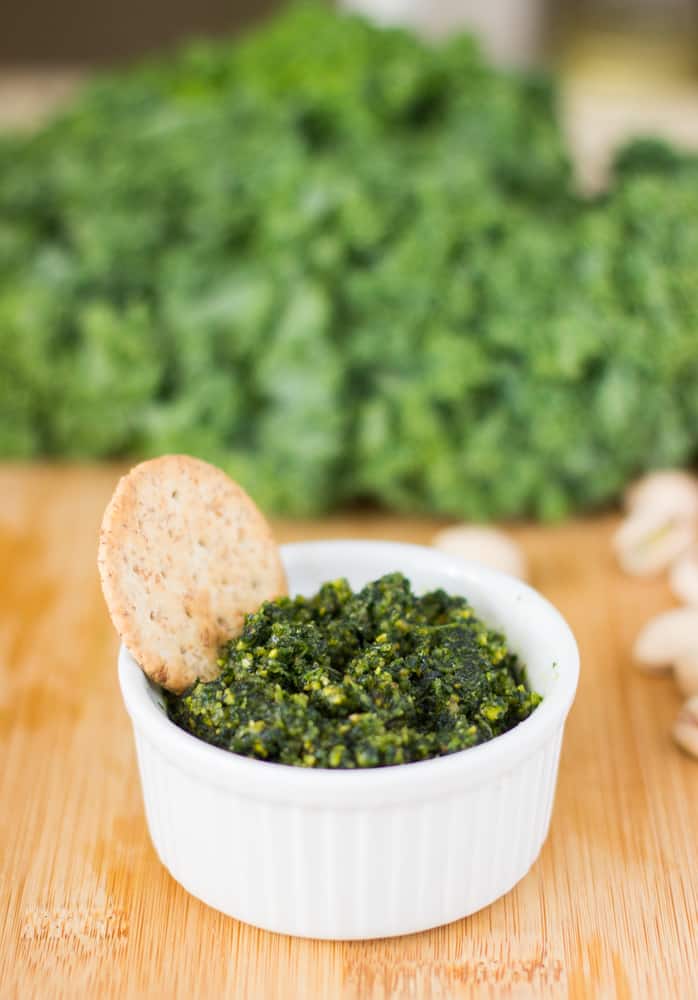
[(667, 638), (685, 731), (686, 674), (670, 490), (683, 576), (484, 545), (649, 541)]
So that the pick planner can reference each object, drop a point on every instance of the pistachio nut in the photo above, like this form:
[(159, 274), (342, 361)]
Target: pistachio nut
[(685, 731), (671, 491), (668, 638), (683, 576), (648, 541), (484, 545)]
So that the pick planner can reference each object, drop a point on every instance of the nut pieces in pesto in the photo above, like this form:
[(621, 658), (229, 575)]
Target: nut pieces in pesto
[(365, 679)]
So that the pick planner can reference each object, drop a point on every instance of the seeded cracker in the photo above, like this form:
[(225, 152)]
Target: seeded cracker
[(184, 555)]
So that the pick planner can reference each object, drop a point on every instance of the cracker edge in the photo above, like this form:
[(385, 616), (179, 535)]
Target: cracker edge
[(173, 677)]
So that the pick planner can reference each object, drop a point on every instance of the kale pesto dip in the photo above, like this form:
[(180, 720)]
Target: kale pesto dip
[(365, 679)]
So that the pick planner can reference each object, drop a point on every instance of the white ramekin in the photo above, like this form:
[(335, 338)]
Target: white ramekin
[(367, 853)]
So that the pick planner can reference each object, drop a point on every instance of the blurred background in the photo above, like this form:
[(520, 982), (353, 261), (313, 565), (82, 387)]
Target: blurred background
[(627, 66), (402, 257)]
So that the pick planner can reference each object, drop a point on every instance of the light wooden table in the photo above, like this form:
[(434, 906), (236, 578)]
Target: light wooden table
[(610, 909)]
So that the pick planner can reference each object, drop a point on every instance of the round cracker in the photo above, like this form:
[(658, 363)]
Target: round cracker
[(184, 555)]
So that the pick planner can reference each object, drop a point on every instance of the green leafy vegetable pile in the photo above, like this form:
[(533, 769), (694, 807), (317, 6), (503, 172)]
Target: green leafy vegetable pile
[(341, 263), (363, 679)]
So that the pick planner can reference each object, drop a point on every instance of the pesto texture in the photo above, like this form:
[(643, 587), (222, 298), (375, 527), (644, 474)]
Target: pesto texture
[(344, 680)]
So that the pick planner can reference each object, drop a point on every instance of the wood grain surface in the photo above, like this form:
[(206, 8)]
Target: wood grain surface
[(609, 910)]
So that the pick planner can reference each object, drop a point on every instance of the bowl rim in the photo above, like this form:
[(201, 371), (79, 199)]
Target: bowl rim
[(380, 785)]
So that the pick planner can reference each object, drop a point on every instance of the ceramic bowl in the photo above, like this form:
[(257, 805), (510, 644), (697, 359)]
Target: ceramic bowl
[(364, 853)]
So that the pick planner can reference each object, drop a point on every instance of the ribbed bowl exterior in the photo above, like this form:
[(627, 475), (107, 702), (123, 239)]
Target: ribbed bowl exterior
[(349, 872), (375, 853)]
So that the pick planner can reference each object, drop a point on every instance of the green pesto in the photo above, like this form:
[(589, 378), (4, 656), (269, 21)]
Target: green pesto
[(365, 679)]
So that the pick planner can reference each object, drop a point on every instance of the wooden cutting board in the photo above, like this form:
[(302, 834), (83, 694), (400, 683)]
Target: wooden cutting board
[(609, 910)]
